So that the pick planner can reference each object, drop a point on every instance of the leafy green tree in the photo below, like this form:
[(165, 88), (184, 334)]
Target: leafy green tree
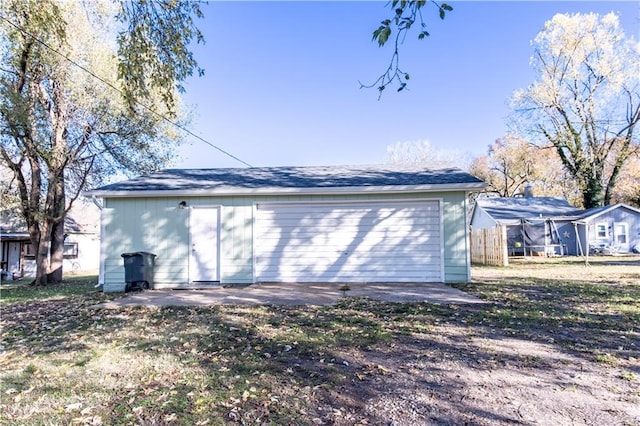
[(72, 116), (586, 99), (153, 51)]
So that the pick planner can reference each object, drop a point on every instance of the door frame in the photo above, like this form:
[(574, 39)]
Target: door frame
[(191, 267), (625, 226), (10, 245)]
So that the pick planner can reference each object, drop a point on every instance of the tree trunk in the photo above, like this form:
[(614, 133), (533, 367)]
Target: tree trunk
[(57, 253), (592, 193), (40, 243), (56, 200), (57, 230)]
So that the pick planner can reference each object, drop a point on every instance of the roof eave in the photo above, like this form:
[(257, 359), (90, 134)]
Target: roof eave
[(396, 189), (15, 236), (589, 218), (477, 207)]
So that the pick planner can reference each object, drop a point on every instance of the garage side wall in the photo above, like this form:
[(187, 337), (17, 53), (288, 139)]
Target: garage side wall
[(456, 241), (155, 225), (158, 225)]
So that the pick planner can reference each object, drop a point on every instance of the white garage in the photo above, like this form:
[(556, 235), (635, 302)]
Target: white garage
[(349, 242), (345, 224)]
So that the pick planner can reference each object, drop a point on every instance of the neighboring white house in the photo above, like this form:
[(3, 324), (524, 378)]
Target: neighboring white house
[(286, 224), (81, 243), (610, 229)]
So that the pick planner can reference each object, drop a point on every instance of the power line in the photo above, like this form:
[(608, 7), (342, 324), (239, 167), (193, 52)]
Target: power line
[(111, 85)]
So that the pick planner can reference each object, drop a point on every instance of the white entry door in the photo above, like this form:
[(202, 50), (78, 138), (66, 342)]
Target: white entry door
[(621, 236), (13, 264), (204, 225)]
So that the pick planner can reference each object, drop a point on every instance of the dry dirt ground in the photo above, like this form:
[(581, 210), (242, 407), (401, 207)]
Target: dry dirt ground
[(543, 373), (458, 377), (556, 343)]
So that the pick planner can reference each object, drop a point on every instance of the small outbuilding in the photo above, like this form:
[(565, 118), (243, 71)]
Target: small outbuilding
[(289, 224)]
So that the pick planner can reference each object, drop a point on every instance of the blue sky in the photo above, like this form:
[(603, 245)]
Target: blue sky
[(281, 79)]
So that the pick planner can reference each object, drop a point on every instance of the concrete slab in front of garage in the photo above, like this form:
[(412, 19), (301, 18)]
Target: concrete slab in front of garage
[(296, 294)]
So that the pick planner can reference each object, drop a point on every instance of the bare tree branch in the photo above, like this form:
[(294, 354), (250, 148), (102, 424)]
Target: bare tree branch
[(406, 14)]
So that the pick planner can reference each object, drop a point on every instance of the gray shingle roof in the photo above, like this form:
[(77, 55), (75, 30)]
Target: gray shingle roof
[(596, 211), (510, 209), (83, 218), (282, 178)]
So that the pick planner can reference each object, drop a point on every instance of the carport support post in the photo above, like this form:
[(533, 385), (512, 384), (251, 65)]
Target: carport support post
[(578, 243), (584, 251), (524, 240), (586, 237)]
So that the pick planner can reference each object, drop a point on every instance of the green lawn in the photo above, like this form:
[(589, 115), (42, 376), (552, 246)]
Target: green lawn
[(592, 309), (65, 362), (12, 292)]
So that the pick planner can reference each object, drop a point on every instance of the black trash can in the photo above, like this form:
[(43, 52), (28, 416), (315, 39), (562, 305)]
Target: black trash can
[(138, 270)]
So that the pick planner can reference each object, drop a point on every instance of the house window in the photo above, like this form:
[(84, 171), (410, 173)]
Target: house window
[(601, 231), (28, 251), (620, 232), (70, 250)]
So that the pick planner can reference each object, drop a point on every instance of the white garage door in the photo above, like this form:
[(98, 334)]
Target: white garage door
[(349, 242)]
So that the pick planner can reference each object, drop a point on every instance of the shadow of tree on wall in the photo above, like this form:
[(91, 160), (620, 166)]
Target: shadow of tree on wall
[(350, 242), (156, 226)]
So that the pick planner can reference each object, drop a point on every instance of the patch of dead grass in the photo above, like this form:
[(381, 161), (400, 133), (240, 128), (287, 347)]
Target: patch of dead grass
[(557, 342)]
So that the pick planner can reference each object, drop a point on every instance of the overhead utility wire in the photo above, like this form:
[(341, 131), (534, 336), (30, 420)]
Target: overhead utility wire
[(179, 126)]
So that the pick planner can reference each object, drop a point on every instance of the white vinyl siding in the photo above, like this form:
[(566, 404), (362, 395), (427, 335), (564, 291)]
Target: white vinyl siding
[(157, 226), (372, 242)]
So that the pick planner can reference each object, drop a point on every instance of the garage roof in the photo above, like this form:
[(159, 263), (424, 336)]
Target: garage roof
[(291, 180)]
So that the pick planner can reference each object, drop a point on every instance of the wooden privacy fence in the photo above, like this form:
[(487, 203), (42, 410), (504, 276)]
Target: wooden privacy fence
[(489, 246)]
